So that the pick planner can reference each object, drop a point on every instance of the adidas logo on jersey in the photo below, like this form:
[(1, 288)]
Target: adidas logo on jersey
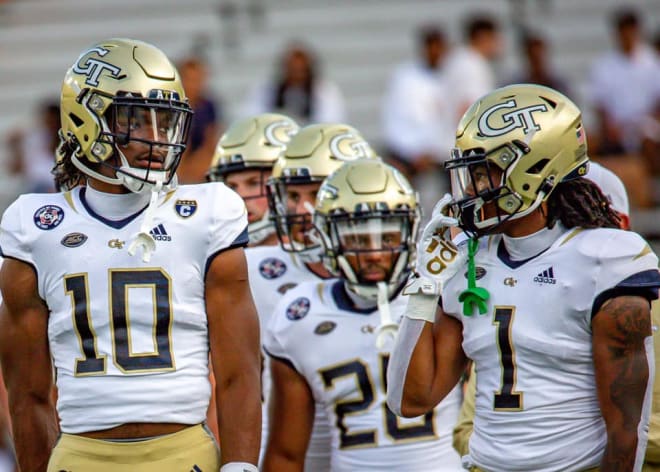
[(159, 233), (546, 277)]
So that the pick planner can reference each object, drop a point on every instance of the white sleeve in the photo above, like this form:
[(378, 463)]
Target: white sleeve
[(15, 242), (275, 334), (628, 266), (397, 368), (228, 222), (402, 123)]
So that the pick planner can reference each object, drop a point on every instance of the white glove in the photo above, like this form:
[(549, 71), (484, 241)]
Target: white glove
[(438, 258)]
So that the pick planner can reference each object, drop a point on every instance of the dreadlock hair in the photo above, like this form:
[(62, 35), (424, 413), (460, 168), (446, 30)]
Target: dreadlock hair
[(581, 203), (65, 173)]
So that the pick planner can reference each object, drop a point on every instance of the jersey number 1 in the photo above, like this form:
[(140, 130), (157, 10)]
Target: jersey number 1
[(507, 399), (121, 280)]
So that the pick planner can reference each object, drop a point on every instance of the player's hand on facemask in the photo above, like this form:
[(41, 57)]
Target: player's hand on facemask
[(438, 258)]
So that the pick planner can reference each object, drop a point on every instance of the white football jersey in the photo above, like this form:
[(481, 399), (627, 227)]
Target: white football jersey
[(536, 402), (273, 272), (129, 339), (315, 330)]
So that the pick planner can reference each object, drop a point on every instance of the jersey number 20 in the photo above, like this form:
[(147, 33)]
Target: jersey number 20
[(77, 286), (397, 432)]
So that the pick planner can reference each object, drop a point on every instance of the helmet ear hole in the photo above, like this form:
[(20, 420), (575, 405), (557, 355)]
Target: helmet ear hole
[(538, 167), (76, 120)]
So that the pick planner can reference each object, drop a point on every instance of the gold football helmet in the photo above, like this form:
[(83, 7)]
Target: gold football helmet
[(123, 91), (367, 216), (253, 143), (311, 155), (513, 146)]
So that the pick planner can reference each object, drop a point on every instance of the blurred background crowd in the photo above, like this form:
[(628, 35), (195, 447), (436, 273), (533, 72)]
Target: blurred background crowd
[(400, 72)]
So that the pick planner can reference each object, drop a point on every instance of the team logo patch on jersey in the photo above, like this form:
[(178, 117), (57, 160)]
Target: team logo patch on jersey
[(510, 282), (546, 277), (272, 268), (185, 208), (298, 309), (74, 240), (325, 327), (479, 271), (159, 233), (48, 217)]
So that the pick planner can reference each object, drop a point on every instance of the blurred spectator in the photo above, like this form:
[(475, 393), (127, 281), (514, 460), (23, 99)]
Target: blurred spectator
[(537, 68), (206, 123), (625, 89), (418, 121), (32, 150), (469, 70), (298, 91)]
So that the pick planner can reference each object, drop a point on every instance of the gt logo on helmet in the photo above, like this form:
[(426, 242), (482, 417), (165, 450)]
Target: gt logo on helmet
[(358, 147), (93, 68), (520, 118), (273, 132)]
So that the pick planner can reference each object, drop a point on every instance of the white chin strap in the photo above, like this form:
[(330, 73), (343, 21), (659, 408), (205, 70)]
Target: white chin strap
[(260, 230), (143, 240), (388, 329), (308, 256)]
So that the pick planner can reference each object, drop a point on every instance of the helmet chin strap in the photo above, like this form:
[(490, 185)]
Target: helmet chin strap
[(388, 329), (260, 230), (143, 239)]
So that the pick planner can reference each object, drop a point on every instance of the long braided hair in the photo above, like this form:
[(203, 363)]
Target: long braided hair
[(581, 203), (65, 173)]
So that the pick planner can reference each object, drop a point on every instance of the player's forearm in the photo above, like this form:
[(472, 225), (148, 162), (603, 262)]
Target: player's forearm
[(35, 432), (279, 461), (417, 395), (412, 370), (239, 417)]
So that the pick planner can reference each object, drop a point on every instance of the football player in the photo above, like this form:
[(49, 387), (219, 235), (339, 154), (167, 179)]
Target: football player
[(330, 341), (555, 309), (311, 155), (120, 284), (244, 159)]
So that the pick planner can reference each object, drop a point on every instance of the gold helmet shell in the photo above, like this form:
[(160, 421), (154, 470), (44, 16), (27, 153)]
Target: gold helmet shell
[(252, 142), (119, 72), (317, 150), (367, 197), (311, 155), (530, 134)]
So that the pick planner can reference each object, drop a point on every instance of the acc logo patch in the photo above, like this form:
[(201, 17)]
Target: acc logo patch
[(272, 268), (325, 327), (74, 240), (48, 217), (479, 271), (185, 208), (298, 309)]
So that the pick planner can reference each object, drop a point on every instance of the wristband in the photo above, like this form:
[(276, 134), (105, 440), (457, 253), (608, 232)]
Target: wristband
[(239, 467), (422, 307)]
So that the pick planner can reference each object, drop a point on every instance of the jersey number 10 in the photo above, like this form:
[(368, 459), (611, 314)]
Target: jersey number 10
[(77, 286)]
